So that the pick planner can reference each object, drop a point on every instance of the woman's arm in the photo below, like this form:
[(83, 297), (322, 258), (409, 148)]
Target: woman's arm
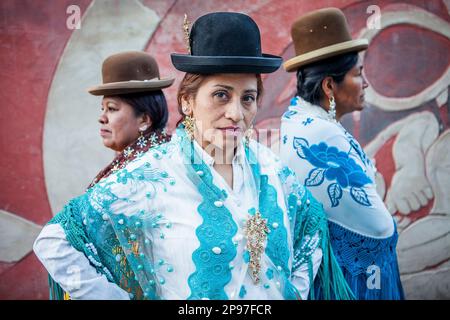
[(71, 269)]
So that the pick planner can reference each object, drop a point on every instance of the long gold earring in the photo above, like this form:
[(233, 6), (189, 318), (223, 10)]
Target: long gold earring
[(189, 126)]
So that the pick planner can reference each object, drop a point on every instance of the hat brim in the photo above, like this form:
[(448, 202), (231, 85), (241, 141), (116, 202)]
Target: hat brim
[(133, 86), (324, 53), (225, 64)]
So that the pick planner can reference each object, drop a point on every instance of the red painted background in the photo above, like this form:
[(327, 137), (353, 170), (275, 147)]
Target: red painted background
[(33, 36)]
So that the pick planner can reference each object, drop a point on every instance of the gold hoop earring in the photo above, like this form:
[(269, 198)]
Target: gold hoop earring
[(189, 126)]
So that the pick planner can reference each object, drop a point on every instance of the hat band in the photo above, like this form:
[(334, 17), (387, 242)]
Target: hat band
[(324, 52), (226, 64), (145, 80)]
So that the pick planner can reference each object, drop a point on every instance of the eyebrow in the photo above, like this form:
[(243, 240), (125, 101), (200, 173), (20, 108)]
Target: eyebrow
[(224, 86), (107, 102), (231, 88)]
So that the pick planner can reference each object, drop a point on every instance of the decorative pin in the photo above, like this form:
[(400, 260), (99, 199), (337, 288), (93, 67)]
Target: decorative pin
[(186, 24), (256, 231)]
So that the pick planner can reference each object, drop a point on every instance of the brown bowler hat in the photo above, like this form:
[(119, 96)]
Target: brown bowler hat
[(319, 35), (130, 72)]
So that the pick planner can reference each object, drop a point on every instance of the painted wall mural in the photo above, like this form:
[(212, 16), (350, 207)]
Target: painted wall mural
[(51, 148)]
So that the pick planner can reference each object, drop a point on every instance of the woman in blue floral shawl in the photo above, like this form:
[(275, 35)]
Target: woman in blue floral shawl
[(330, 162)]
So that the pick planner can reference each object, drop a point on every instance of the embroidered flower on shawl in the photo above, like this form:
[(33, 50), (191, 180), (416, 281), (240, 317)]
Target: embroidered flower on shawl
[(128, 151), (123, 176), (288, 114), (333, 165)]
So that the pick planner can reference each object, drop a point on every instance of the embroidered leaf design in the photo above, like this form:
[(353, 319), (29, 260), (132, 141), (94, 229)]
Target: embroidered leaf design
[(335, 193), (299, 145), (289, 113), (315, 178), (360, 196)]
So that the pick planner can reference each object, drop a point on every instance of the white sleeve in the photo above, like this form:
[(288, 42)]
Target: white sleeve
[(71, 269), (300, 277)]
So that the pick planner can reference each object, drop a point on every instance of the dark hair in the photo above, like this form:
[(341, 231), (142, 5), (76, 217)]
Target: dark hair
[(191, 83), (310, 77), (152, 103)]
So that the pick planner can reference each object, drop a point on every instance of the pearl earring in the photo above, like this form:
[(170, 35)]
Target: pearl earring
[(332, 110)]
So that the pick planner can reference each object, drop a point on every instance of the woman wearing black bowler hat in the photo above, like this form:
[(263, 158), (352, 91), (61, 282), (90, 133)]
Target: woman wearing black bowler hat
[(212, 214), (268, 234)]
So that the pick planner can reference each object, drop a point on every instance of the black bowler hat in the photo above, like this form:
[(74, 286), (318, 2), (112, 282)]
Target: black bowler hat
[(225, 42)]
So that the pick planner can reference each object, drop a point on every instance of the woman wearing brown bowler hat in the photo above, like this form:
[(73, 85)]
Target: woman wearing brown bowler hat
[(330, 161), (133, 119)]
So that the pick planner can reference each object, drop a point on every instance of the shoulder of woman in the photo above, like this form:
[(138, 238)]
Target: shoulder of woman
[(267, 158), (146, 167), (317, 130)]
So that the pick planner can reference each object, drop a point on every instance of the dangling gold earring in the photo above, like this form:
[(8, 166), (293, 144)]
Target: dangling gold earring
[(141, 131), (189, 126), (248, 135)]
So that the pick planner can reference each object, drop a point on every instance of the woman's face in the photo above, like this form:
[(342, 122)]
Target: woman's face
[(223, 108), (119, 124), (349, 94)]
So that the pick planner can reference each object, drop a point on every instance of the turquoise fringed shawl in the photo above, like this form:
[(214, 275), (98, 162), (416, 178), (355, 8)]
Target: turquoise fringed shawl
[(89, 233), (310, 231)]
